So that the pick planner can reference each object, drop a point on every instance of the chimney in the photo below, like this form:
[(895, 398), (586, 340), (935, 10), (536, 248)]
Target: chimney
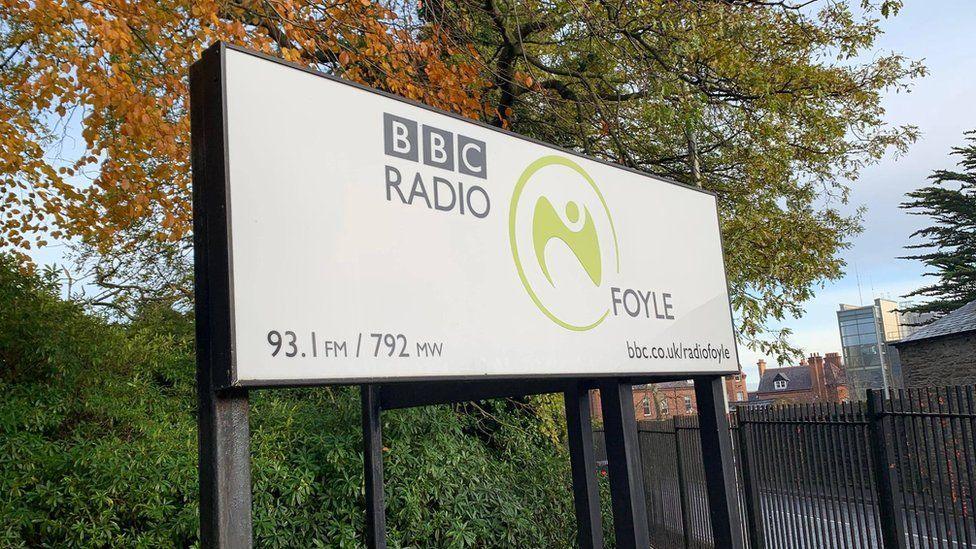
[(817, 375), (762, 367)]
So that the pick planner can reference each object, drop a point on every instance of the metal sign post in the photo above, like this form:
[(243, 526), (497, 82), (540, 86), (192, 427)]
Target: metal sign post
[(586, 492), (623, 461), (716, 445), (430, 259), (222, 413), (373, 467), (623, 455)]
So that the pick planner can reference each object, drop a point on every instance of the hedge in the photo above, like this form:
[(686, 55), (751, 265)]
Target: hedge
[(98, 446)]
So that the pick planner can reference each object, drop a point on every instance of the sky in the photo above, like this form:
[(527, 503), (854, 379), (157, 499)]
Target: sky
[(943, 106)]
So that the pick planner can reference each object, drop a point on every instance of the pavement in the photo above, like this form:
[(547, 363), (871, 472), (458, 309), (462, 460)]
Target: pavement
[(798, 521)]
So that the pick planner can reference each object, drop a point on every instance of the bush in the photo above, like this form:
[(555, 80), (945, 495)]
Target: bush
[(98, 446)]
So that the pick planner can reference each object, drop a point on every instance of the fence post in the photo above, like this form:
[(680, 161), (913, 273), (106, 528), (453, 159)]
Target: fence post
[(682, 490), (750, 484), (885, 485)]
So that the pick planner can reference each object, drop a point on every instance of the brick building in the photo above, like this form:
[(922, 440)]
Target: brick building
[(674, 398), (816, 379), (942, 353)]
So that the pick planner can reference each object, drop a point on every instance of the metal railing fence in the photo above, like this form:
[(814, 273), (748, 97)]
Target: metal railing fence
[(896, 471)]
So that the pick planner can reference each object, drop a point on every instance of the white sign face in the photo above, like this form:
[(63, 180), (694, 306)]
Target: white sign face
[(374, 239)]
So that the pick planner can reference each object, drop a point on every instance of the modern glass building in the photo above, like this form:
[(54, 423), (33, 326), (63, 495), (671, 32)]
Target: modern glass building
[(866, 334)]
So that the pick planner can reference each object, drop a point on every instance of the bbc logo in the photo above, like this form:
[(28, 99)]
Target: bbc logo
[(403, 138)]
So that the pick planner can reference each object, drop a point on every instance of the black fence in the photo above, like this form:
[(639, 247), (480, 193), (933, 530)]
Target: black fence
[(896, 472)]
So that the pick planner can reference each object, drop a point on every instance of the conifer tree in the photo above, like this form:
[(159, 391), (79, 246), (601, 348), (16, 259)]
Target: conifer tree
[(949, 246)]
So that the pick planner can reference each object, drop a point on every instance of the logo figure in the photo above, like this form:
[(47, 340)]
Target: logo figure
[(584, 244), (563, 204)]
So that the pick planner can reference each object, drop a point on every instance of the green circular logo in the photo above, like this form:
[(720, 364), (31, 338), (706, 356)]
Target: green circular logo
[(556, 201)]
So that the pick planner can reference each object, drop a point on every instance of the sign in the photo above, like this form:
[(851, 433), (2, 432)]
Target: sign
[(374, 239)]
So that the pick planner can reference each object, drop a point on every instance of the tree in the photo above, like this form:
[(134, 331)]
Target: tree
[(765, 103), (760, 102), (115, 73), (950, 242)]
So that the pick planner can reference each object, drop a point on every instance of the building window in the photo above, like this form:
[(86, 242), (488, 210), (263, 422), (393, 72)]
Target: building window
[(664, 407), (647, 406), (738, 396), (779, 384), (687, 405)]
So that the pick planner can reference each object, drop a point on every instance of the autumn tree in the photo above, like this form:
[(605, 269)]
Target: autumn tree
[(769, 104), (948, 245), (114, 74)]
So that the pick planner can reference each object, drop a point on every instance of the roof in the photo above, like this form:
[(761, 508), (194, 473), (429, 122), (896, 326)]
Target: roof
[(961, 320), (834, 375), (797, 378), (682, 384)]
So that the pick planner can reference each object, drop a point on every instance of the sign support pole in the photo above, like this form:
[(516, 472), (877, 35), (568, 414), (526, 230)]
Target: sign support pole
[(224, 464), (373, 467), (225, 467), (586, 492), (716, 445), (623, 457)]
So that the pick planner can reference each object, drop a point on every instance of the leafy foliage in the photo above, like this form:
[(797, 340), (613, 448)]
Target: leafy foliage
[(98, 447), (950, 242), (760, 102), (772, 105), (115, 74)]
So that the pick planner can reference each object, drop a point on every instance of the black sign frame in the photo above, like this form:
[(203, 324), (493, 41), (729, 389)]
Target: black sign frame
[(224, 434)]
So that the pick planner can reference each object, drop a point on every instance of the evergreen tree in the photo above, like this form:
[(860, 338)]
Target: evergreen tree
[(949, 250)]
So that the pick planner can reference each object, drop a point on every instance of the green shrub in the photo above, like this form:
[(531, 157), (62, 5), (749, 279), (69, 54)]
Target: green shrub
[(98, 446)]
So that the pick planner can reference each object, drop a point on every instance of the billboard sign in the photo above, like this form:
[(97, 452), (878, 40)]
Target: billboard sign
[(373, 239)]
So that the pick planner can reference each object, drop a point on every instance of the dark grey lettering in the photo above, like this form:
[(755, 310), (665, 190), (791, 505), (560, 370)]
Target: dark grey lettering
[(439, 184), (400, 137), (393, 183), (472, 157), (438, 148), (471, 208), (418, 189)]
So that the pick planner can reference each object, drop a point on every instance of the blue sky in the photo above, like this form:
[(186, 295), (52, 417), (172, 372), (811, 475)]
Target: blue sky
[(943, 106)]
